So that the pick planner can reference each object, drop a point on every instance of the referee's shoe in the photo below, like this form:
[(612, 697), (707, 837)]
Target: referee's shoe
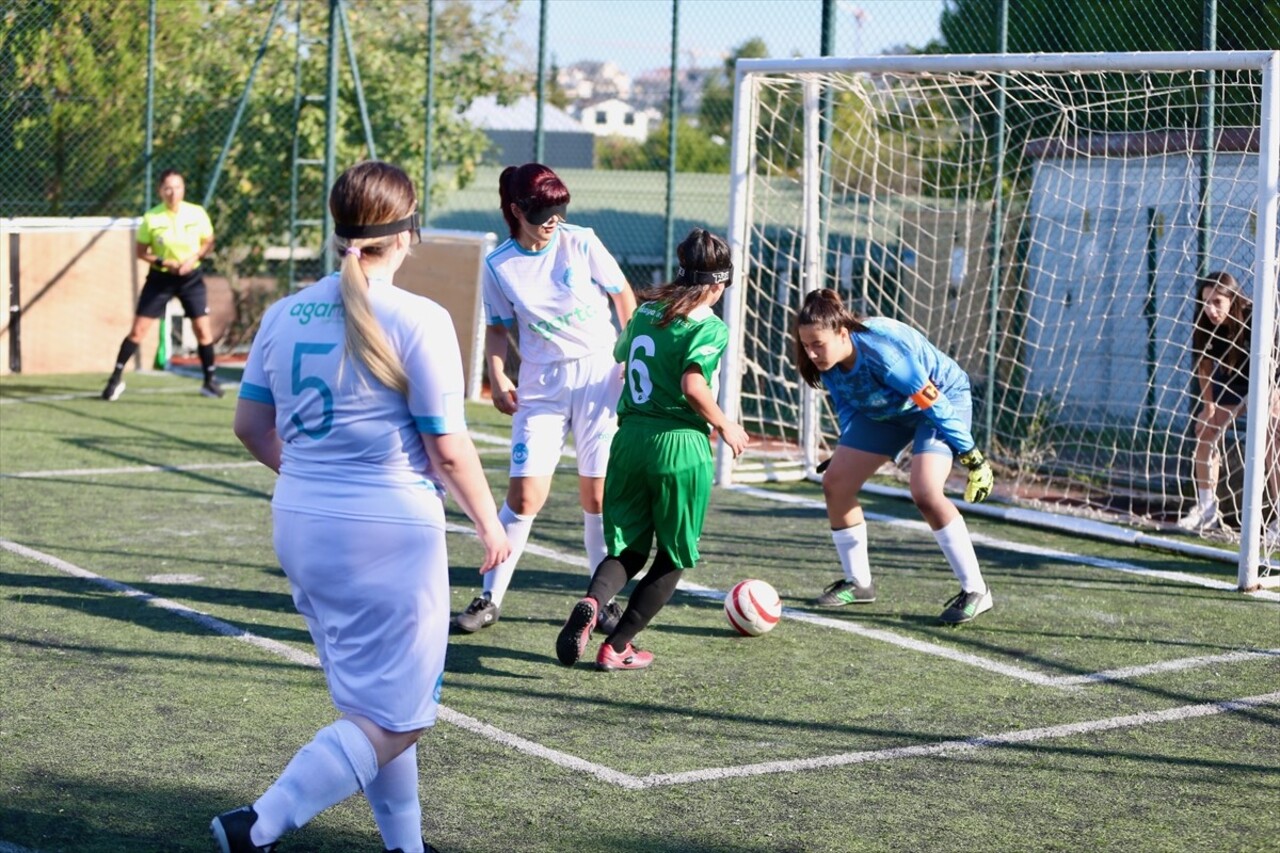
[(212, 388)]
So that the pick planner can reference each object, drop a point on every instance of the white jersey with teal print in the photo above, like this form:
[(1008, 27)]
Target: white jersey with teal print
[(895, 362), (556, 297), (352, 446)]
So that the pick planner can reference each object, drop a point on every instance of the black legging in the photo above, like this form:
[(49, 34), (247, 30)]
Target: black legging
[(651, 594)]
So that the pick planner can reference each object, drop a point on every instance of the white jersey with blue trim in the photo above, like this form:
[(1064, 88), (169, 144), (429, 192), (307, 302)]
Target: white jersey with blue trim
[(557, 297), (352, 446), (892, 378)]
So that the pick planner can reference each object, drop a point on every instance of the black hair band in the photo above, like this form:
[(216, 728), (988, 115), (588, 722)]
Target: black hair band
[(724, 276), (386, 229)]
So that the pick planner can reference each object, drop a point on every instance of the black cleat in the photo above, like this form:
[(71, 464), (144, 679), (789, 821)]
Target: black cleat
[(480, 613), (231, 832)]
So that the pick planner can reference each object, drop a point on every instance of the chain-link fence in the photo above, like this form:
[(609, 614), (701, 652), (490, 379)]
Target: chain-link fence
[(100, 95)]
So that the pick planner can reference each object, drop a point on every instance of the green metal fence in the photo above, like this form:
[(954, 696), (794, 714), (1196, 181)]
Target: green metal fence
[(260, 102)]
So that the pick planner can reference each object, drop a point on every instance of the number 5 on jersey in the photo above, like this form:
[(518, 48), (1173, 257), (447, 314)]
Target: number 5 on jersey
[(302, 383)]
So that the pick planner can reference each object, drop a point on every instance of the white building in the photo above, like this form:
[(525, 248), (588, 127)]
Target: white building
[(567, 144), (614, 117), (588, 80)]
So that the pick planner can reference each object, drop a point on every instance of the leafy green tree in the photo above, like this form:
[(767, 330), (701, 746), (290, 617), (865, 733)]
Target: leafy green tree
[(63, 75), (715, 114), (74, 112), (696, 151)]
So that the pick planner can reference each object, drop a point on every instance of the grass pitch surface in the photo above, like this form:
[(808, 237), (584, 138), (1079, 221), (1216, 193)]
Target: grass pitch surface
[(154, 673)]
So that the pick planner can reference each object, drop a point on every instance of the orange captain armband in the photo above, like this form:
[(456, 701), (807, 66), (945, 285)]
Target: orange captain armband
[(926, 396)]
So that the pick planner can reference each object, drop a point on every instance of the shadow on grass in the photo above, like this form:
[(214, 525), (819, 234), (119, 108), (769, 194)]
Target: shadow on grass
[(92, 598)]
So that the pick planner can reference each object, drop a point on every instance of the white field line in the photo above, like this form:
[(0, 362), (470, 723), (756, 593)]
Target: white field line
[(94, 395), (955, 747), (154, 469), (1020, 673), (628, 781), (134, 469), (1020, 548), (308, 659)]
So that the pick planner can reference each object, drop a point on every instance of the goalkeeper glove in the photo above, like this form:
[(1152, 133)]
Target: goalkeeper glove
[(980, 477)]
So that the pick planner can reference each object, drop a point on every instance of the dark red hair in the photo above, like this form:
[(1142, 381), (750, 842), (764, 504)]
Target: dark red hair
[(530, 186)]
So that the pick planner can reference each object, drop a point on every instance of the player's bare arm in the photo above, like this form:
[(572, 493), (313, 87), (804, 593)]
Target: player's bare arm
[(255, 426), (453, 456), (701, 400), (497, 343), (624, 303)]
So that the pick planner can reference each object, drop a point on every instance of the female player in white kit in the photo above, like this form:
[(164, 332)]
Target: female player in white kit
[(353, 393), (552, 282)]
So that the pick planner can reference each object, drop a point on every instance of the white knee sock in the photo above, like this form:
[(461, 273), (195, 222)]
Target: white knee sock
[(851, 545), (593, 539), (338, 762), (957, 547), (517, 527), (393, 796)]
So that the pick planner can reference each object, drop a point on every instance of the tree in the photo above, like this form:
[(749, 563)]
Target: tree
[(715, 114), (75, 63), (696, 151)]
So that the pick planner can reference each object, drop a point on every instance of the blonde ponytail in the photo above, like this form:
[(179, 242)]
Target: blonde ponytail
[(365, 338)]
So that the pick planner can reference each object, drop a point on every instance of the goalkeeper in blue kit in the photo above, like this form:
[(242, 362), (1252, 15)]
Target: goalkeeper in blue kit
[(660, 469), (891, 387)]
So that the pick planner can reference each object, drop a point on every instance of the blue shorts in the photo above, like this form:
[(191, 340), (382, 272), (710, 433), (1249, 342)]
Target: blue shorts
[(886, 438)]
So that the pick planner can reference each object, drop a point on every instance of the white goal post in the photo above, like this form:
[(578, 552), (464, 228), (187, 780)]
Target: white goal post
[(1044, 219)]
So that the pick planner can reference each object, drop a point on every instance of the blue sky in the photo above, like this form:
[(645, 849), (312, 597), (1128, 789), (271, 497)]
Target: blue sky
[(635, 34)]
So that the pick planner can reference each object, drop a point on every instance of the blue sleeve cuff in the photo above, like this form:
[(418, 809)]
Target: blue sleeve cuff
[(256, 393), (438, 425)]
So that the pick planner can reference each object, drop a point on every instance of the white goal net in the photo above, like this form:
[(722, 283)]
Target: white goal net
[(1044, 220)]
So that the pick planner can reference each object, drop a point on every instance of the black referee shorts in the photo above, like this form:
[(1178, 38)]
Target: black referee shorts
[(162, 286)]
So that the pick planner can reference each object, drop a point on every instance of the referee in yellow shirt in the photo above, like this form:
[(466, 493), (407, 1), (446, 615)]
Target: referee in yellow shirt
[(173, 238)]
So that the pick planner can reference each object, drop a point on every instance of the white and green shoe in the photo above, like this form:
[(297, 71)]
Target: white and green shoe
[(844, 592)]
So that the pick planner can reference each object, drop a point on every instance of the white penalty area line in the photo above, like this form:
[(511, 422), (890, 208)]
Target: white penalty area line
[(1021, 548), (626, 780), (1063, 682), (297, 656), (1009, 670), (950, 748)]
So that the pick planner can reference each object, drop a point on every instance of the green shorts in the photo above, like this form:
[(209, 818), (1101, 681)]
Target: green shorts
[(658, 483)]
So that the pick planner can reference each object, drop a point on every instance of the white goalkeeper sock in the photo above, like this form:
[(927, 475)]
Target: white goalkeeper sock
[(957, 547), (337, 762), (593, 539), (1207, 498), (517, 527), (393, 796), (851, 545)]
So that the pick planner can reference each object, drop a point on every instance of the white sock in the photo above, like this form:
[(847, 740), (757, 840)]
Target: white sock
[(593, 539), (851, 545), (1207, 498), (517, 527), (337, 762), (957, 547), (393, 796)]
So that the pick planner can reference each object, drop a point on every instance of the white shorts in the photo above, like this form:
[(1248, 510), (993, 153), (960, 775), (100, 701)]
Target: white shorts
[(581, 396), (375, 596)]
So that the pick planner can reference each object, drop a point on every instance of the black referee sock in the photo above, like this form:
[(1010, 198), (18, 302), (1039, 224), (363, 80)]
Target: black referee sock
[(612, 575), (127, 351), (651, 595), (206, 360)]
